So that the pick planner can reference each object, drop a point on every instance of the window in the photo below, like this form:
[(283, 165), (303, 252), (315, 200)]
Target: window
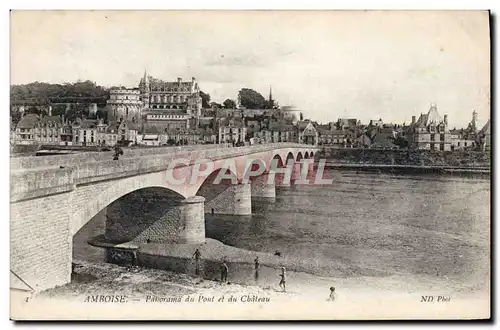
[(442, 137), (432, 137)]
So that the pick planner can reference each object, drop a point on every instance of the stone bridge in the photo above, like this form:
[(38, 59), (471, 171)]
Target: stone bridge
[(157, 194)]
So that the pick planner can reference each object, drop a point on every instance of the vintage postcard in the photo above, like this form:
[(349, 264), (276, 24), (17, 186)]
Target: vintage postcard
[(250, 165)]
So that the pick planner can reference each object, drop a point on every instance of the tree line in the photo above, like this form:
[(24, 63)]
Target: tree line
[(39, 93), (247, 98)]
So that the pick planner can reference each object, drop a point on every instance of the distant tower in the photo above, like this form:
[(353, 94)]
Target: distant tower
[(271, 101), (474, 119), (144, 88)]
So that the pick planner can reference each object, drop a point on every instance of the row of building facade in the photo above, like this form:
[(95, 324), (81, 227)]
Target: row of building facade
[(429, 132), (159, 112)]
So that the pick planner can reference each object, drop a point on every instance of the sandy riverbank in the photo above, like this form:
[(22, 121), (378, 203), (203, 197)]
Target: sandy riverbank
[(102, 278), (161, 294)]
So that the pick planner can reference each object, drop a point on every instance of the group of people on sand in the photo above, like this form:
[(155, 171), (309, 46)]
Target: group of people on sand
[(224, 271)]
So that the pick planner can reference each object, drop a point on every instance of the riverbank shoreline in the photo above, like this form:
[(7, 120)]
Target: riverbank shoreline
[(179, 258), (410, 169)]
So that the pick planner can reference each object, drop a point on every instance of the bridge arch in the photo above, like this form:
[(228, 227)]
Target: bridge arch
[(150, 213), (299, 156), (225, 194), (289, 157), (92, 199)]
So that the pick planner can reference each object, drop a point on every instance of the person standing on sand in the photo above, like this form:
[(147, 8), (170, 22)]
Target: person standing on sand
[(283, 279), (256, 268), (197, 256), (333, 295), (223, 271)]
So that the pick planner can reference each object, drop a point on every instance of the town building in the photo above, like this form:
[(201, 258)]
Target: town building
[(231, 130), (429, 132), (461, 139), (127, 131), (330, 135), (25, 130), (307, 133), (48, 130), (376, 122), (484, 136), (85, 132), (168, 120), (34, 129), (346, 123), (278, 131)]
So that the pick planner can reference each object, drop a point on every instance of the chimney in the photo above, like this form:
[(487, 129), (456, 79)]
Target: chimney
[(179, 80), (445, 119), (193, 79), (413, 119)]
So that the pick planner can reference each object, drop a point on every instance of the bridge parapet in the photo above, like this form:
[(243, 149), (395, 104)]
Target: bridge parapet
[(49, 181), (86, 157), (33, 182)]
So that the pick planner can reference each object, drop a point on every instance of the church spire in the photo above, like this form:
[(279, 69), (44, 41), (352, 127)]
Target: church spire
[(270, 101)]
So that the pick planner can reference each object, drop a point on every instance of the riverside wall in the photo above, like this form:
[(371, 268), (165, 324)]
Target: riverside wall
[(459, 158)]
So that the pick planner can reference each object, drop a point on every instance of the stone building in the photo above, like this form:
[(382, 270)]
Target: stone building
[(291, 113), (125, 103), (177, 95), (429, 132)]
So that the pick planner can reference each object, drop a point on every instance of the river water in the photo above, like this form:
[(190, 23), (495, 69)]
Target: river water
[(374, 225), (365, 224)]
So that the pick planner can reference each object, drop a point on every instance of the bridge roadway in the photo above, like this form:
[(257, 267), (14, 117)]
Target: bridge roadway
[(52, 197)]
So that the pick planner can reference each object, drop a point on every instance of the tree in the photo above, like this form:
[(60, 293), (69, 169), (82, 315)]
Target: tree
[(401, 141), (229, 104), (215, 105), (102, 114), (251, 99), (205, 100), (15, 117)]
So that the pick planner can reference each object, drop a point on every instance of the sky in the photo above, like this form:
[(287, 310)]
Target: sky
[(330, 64)]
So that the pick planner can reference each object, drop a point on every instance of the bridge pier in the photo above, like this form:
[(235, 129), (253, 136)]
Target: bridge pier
[(192, 214), (261, 188), (233, 199)]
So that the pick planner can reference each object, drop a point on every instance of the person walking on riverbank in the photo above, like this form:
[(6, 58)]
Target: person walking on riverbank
[(333, 295), (283, 279), (256, 275), (118, 152), (224, 270), (197, 256)]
